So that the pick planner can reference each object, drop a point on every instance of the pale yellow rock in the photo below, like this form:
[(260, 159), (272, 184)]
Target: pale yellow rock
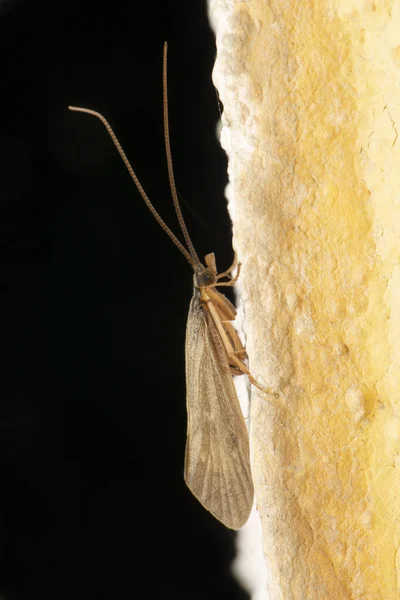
[(311, 94)]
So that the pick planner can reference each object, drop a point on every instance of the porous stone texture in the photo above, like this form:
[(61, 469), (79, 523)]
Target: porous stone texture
[(311, 95)]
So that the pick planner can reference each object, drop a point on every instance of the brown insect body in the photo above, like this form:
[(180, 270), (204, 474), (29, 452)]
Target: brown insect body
[(217, 461), (217, 458)]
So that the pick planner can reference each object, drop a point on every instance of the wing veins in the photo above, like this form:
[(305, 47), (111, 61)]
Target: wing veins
[(217, 466)]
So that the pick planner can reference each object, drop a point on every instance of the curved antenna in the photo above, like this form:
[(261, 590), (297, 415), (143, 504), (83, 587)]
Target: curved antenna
[(170, 165), (136, 181)]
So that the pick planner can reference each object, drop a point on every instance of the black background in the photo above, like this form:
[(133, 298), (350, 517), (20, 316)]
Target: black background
[(95, 297)]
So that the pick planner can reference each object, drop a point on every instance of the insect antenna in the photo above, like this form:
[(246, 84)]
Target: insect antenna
[(191, 259), (170, 164)]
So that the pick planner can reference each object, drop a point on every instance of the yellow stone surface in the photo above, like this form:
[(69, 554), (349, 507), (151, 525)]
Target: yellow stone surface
[(311, 94)]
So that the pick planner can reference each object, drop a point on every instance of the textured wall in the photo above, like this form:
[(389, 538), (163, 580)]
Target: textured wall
[(311, 94)]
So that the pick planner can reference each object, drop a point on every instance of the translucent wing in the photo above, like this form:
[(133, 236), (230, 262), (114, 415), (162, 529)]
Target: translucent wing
[(217, 463)]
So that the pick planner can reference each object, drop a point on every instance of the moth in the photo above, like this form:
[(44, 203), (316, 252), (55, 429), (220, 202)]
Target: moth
[(217, 458)]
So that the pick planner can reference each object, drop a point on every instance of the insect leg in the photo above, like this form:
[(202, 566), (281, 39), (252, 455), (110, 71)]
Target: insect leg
[(230, 350), (228, 271), (237, 344), (231, 282), (243, 368)]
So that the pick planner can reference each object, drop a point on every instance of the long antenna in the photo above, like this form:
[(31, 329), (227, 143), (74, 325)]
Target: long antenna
[(136, 181), (169, 162), (192, 258)]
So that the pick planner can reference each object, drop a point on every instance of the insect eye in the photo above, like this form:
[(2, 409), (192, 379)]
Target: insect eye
[(205, 278)]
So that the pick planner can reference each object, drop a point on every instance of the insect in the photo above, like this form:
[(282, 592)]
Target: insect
[(217, 458)]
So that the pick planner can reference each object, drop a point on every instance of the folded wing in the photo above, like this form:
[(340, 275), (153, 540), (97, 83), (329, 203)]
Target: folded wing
[(217, 463)]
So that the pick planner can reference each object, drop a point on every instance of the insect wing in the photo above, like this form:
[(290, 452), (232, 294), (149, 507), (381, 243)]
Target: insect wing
[(217, 462)]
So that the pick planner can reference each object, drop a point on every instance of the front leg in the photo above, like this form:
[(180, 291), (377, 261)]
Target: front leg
[(228, 271), (227, 283)]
